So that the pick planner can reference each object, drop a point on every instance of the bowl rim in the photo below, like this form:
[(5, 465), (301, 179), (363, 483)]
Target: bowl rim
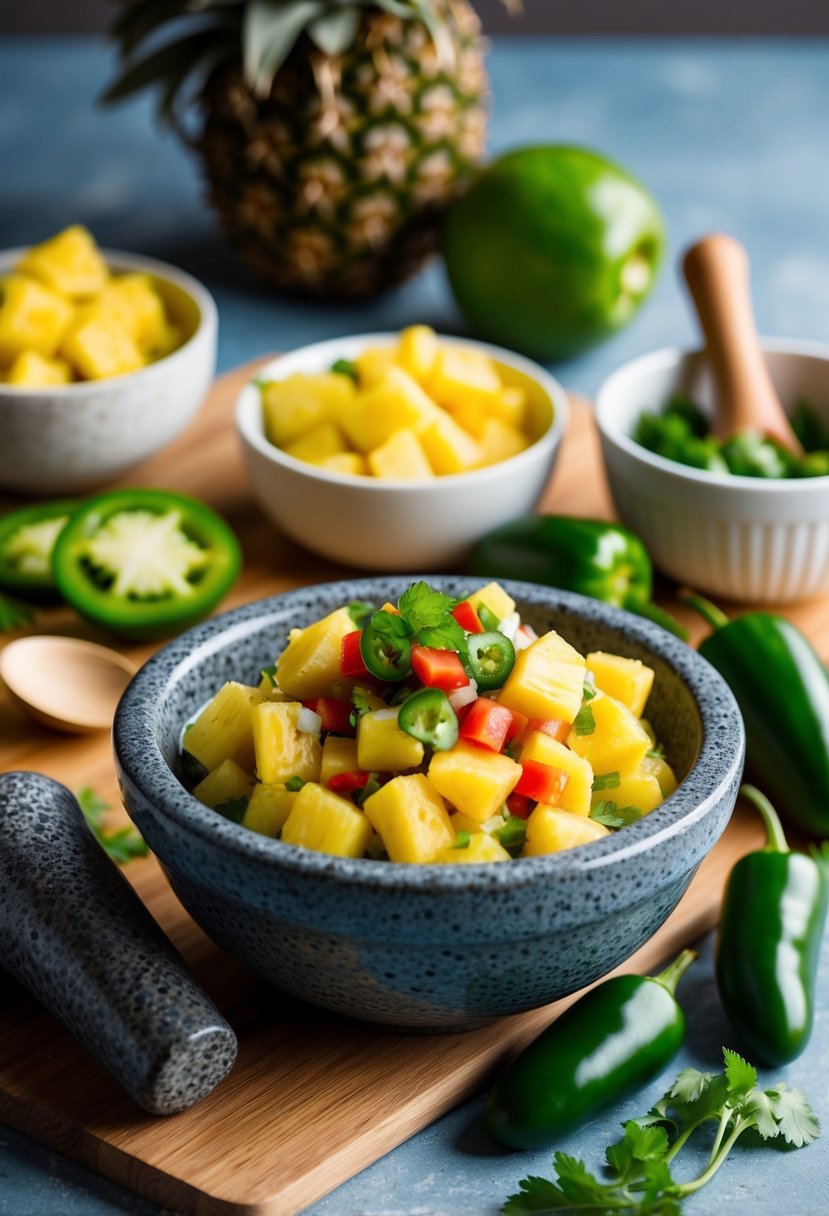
[(674, 356), (142, 764), (251, 431), (120, 259)]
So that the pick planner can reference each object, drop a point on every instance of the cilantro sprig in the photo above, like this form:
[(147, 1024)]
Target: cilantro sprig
[(122, 844), (610, 815), (14, 614), (638, 1178)]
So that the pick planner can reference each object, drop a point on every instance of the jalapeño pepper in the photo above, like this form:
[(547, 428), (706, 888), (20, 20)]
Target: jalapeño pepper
[(427, 715), (491, 658), (590, 556), (27, 538), (782, 690), (772, 922), (609, 1043)]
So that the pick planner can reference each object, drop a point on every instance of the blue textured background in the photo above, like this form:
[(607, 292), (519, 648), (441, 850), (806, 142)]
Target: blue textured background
[(727, 135)]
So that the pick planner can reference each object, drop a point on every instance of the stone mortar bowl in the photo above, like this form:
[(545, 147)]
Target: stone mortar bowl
[(427, 948)]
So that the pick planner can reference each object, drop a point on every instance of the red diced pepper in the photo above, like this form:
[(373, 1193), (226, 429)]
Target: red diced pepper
[(553, 727), (541, 782), (438, 668), (335, 714), (351, 661), (520, 805), (347, 783), (488, 724), (467, 617)]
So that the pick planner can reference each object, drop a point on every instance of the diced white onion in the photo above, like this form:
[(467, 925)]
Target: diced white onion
[(590, 679), (307, 722), (464, 696), (509, 625), (493, 824), (522, 640), (385, 715)]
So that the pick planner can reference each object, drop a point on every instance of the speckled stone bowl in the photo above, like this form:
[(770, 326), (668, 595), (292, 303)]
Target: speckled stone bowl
[(427, 947)]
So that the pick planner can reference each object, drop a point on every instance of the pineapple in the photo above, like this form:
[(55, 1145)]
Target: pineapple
[(477, 782), (481, 847), (338, 756), (550, 831), (332, 135), (283, 751), (310, 664), (300, 403), (31, 370), (575, 797), (628, 680), (222, 730), (98, 345), (410, 817), (383, 747), (317, 444), (547, 680), (400, 458), (616, 742), (33, 317), (226, 783), (69, 262), (268, 808), (326, 822)]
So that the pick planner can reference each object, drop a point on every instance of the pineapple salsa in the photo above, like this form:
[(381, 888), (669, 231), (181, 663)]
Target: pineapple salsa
[(64, 317), (406, 412), (435, 730)]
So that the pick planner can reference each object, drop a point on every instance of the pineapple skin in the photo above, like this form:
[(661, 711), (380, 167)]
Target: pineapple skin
[(334, 185)]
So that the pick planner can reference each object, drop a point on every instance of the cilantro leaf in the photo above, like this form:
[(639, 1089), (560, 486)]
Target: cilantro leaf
[(689, 1085), (537, 1195), (588, 692), (606, 781), (613, 816), (122, 844), (422, 607), (346, 367), (234, 808), (759, 1107), (741, 1076), (445, 635), (360, 611), (14, 614), (585, 722), (796, 1120), (293, 785)]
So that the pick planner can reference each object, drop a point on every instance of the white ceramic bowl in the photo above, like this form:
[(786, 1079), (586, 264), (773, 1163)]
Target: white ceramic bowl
[(739, 537), (76, 436), (396, 525)]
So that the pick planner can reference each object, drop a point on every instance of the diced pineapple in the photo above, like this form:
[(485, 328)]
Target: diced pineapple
[(494, 597), (648, 729), (639, 789), (283, 751), (662, 771), (171, 339), (481, 847), (550, 830), (324, 821), (225, 784), (417, 351), (317, 444), (31, 370), (462, 823), (510, 406), (628, 680), (223, 730), (499, 441), (575, 797), (383, 747), (345, 462), (69, 262), (617, 743), (310, 663), (373, 364), (448, 447), (394, 403), (268, 808), (32, 318), (472, 418), (411, 818), (339, 755), (400, 458), (98, 346), (477, 782), (133, 299), (461, 377), (300, 402), (547, 680)]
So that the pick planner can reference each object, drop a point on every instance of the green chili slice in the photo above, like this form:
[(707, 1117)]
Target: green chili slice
[(427, 715), (491, 657), (385, 646)]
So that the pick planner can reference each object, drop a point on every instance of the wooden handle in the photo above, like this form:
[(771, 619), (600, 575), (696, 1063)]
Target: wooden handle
[(73, 932), (717, 273)]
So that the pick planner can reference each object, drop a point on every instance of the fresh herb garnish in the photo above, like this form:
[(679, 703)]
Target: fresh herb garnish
[(638, 1178), (585, 722), (14, 614), (122, 844), (462, 840), (360, 612), (294, 784), (371, 787), (613, 816), (234, 808), (606, 781), (588, 692), (345, 367), (422, 607)]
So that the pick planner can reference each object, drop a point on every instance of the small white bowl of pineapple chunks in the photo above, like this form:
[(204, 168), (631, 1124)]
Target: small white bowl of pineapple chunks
[(104, 358), (399, 451)]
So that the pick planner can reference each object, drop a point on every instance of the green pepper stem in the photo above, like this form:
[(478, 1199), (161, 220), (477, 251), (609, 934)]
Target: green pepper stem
[(776, 842), (709, 612), (652, 612), (673, 973)]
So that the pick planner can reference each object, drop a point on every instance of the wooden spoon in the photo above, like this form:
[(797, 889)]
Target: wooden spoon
[(66, 683), (716, 271)]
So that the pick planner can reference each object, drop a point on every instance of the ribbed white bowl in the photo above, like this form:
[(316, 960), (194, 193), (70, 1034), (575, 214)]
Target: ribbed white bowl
[(738, 537)]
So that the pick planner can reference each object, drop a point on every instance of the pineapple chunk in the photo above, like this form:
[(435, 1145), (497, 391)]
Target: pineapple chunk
[(550, 830), (575, 797), (268, 808), (317, 444), (31, 370), (510, 406), (222, 730), (627, 680), (310, 663), (639, 789), (410, 816), (481, 847), (547, 680), (462, 823), (400, 458), (494, 597), (338, 756), (345, 462), (324, 821), (464, 377), (133, 299), (98, 346), (300, 402), (417, 351), (472, 418), (282, 751), (69, 262), (475, 781), (32, 318), (499, 441), (662, 771), (383, 747), (448, 447), (373, 364), (226, 783), (617, 744), (397, 402)]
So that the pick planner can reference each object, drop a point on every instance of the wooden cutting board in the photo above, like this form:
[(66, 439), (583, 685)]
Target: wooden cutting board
[(313, 1098)]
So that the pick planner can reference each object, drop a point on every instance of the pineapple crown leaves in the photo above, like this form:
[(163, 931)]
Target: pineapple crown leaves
[(173, 43)]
